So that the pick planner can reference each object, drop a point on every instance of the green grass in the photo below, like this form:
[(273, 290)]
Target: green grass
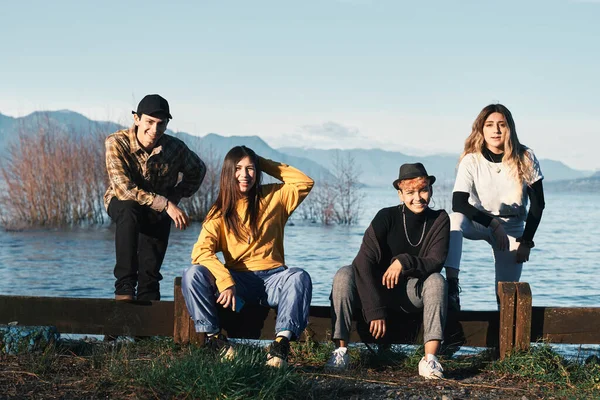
[(562, 376), (198, 373), (159, 368)]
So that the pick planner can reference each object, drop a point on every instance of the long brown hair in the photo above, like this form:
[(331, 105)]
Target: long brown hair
[(515, 154), (229, 195)]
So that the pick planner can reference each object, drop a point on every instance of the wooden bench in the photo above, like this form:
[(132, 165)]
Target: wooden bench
[(514, 327), (466, 328)]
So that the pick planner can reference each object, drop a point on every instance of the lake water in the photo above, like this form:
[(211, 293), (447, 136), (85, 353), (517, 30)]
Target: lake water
[(563, 267)]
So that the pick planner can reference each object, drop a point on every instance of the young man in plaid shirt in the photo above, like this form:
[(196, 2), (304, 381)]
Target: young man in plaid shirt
[(144, 167)]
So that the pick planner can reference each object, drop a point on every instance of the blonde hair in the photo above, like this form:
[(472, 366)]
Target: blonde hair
[(515, 156)]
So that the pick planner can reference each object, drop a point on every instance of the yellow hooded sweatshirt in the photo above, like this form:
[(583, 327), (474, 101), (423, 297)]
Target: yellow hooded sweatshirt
[(278, 201)]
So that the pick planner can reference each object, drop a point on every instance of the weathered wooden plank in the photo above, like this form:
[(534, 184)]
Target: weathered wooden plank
[(523, 316), (566, 325), (507, 295), (183, 326), (106, 316), (90, 316), (473, 328), (196, 338), (470, 328), (182, 321)]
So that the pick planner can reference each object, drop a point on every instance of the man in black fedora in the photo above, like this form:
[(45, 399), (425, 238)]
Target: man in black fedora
[(144, 166), (397, 268)]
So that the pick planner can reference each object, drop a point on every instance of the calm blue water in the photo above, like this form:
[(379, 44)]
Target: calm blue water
[(563, 270)]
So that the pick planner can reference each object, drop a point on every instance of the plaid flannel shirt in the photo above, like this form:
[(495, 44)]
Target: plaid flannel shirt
[(151, 179)]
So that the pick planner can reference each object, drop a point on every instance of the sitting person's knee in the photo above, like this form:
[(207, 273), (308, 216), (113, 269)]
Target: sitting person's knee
[(457, 221), (344, 277), (125, 211), (300, 277), (435, 282), (196, 273)]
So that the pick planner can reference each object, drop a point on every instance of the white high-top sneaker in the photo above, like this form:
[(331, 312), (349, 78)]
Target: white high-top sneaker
[(339, 359), (430, 367)]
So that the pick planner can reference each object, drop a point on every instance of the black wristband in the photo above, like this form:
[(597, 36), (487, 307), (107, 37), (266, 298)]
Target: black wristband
[(528, 243)]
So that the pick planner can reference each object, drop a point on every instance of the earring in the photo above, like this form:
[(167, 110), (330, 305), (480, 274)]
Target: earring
[(432, 199)]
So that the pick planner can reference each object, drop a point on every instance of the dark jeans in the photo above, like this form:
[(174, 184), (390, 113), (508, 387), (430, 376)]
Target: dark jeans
[(141, 241)]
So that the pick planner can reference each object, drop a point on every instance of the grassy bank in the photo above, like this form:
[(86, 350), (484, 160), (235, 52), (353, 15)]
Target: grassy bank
[(160, 369)]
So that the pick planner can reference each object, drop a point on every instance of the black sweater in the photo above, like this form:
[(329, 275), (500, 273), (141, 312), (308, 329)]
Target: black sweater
[(385, 241)]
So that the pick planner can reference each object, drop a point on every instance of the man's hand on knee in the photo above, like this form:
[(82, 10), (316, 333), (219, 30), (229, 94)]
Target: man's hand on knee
[(178, 216)]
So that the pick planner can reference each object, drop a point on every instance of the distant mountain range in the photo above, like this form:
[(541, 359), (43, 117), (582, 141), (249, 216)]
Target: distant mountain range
[(378, 167), (64, 120), (589, 184)]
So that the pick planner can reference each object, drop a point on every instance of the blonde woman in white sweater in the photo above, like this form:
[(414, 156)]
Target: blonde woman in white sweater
[(497, 177)]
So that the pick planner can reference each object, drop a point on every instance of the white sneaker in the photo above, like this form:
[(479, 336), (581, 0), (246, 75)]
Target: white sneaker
[(228, 354), (430, 367), (339, 359)]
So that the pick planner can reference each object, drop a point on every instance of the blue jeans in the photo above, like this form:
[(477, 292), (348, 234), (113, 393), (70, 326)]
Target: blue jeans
[(288, 290)]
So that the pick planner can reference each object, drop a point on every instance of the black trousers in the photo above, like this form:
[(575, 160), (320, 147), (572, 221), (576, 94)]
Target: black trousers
[(141, 240)]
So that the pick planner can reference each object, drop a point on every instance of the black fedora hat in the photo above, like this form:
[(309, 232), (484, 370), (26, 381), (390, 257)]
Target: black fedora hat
[(410, 171)]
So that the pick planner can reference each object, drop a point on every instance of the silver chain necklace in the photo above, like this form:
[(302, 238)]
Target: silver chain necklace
[(406, 232), (488, 157)]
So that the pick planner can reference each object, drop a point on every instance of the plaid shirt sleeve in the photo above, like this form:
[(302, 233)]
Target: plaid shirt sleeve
[(118, 165), (194, 170)]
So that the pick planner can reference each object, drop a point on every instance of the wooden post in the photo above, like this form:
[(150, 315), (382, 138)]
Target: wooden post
[(196, 338), (182, 319), (183, 327), (507, 293), (523, 316)]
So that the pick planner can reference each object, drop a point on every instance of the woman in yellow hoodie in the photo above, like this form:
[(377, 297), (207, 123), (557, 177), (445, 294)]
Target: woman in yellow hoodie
[(246, 224)]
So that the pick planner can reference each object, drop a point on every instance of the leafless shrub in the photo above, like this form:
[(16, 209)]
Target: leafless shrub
[(198, 205), (337, 199), (52, 177), (319, 205), (346, 190)]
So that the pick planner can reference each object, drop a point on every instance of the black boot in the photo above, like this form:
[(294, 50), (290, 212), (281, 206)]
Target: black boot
[(453, 294), (278, 352)]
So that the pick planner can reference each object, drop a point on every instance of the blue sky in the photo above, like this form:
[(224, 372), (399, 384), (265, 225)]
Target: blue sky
[(403, 76)]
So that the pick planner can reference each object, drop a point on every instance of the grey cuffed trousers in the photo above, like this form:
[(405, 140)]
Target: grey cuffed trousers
[(430, 298)]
